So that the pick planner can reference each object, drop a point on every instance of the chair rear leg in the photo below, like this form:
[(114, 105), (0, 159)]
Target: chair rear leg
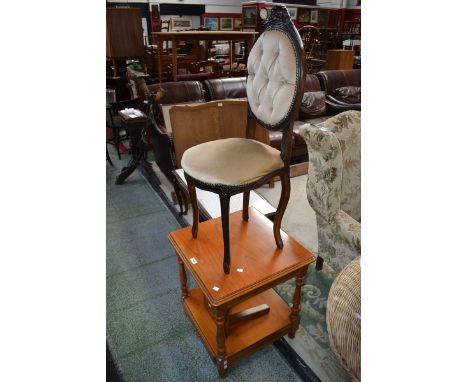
[(108, 157), (117, 142), (225, 222), (245, 206), (283, 202), (193, 200)]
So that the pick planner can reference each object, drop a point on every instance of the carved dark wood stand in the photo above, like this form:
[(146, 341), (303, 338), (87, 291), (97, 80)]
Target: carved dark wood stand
[(136, 128), (240, 313)]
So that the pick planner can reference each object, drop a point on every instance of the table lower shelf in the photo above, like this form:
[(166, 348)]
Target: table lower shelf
[(246, 337)]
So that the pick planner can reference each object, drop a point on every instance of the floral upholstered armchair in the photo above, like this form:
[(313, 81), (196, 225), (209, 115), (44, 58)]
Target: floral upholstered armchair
[(334, 186)]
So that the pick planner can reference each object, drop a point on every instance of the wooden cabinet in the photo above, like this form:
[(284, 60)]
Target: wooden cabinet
[(339, 59), (124, 34)]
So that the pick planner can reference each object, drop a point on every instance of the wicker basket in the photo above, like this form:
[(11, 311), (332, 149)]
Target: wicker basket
[(344, 318)]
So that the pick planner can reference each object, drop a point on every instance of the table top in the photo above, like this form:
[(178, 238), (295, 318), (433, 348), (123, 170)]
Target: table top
[(256, 262)]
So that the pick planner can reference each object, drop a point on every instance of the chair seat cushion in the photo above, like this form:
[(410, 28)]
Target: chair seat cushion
[(231, 161)]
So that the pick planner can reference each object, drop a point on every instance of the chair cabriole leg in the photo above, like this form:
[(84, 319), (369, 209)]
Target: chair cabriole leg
[(193, 200), (284, 199), (224, 200), (245, 206)]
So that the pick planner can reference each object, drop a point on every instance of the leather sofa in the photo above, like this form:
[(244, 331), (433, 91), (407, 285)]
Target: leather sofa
[(223, 88), (342, 89), (176, 92), (324, 82)]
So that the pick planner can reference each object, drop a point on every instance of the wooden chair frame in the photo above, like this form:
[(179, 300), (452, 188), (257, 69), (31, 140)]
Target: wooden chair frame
[(278, 21)]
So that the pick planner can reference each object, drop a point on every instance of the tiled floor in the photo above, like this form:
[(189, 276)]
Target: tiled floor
[(149, 336)]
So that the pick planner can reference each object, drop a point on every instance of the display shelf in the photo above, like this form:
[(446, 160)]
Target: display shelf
[(245, 337)]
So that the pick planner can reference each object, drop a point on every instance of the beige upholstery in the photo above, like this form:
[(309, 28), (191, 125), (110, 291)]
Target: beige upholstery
[(271, 82), (231, 161)]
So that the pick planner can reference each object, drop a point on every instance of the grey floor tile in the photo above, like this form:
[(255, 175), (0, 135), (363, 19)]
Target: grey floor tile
[(142, 283), (147, 323)]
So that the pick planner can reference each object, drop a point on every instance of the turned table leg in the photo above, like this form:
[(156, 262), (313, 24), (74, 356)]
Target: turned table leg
[(221, 356), (183, 278), (296, 307)]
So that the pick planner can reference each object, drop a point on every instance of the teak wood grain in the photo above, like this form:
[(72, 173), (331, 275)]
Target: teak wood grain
[(243, 314), (253, 250), (243, 336)]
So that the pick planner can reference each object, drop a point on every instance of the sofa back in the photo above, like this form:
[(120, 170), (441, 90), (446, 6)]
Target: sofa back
[(225, 88), (332, 79), (312, 83), (180, 92)]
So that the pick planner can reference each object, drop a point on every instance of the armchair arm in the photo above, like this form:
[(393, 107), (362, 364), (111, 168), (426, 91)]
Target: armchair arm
[(325, 170), (348, 229)]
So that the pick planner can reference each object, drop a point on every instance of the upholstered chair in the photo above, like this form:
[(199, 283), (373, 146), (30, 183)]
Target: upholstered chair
[(238, 165), (334, 186)]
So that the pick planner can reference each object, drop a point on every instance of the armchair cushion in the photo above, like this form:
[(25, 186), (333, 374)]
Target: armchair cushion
[(272, 78), (347, 94), (313, 105), (231, 161)]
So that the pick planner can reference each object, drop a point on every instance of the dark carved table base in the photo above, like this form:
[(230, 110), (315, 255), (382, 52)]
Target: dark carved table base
[(137, 147)]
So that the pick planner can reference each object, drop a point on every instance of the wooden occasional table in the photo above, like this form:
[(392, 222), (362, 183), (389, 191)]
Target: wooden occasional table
[(239, 313)]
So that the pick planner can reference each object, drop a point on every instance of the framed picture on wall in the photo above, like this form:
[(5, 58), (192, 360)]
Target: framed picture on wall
[(180, 23), (237, 23), (226, 24), (314, 17), (211, 22), (292, 13), (303, 15), (249, 16)]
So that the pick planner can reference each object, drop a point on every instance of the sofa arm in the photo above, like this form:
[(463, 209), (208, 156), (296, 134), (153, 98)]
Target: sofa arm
[(336, 107), (348, 229)]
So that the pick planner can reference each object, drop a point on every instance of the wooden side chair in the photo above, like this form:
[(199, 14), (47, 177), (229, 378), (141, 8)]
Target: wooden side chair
[(238, 165)]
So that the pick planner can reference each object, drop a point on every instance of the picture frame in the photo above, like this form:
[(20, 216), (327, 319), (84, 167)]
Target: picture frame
[(249, 16), (237, 23), (180, 23), (292, 13), (303, 15), (211, 22), (313, 16), (226, 24)]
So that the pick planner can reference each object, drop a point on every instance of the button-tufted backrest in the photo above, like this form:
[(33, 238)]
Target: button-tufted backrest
[(275, 74)]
